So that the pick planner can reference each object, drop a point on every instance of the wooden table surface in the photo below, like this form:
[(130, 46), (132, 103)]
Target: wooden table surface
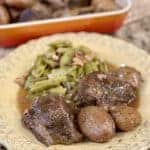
[(136, 29)]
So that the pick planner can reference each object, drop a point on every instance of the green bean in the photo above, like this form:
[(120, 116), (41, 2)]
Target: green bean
[(62, 50), (54, 72), (103, 67), (62, 71), (50, 62), (38, 72), (50, 54), (58, 44), (72, 75), (80, 71), (58, 91), (45, 84), (67, 57), (84, 49), (90, 67)]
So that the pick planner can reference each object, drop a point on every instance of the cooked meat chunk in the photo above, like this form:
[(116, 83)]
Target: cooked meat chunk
[(78, 3), (104, 5), (96, 124), (58, 3), (104, 90), (20, 3), (51, 121), (61, 13), (4, 15), (125, 117), (130, 75), (37, 12), (14, 13), (2, 2)]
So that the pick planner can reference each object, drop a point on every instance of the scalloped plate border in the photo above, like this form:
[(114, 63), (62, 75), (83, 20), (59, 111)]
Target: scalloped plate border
[(12, 133)]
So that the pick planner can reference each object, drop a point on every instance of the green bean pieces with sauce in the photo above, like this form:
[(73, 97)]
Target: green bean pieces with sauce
[(59, 70)]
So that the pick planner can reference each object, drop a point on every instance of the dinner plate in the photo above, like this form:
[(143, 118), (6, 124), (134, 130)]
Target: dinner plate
[(12, 133)]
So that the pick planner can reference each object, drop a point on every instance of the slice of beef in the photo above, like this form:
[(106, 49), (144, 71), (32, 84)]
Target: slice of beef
[(104, 90), (130, 75), (51, 121)]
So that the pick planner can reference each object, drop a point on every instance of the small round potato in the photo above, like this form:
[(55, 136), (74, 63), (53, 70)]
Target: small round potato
[(125, 117), (96, 124)]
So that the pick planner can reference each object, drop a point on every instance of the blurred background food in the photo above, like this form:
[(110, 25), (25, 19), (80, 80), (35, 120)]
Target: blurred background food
[(136, 29), (12, 11)]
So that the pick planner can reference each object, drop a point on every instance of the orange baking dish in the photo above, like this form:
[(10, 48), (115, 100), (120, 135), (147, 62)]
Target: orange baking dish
[(103, 22)]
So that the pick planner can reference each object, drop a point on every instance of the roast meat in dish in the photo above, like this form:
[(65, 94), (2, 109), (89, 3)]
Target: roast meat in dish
[(130, 75)]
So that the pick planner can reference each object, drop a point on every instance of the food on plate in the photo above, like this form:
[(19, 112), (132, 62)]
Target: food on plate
[(96, 124), (103, 89), (51, 121), (130, 75), (59, 70), (125, 117), (29, 10), (71, 94)]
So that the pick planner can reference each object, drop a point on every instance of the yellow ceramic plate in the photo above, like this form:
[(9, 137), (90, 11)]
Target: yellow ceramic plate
[(15, 137)]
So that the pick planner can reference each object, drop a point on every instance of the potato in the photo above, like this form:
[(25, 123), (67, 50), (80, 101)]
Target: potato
[(96, 124), (125, 117)]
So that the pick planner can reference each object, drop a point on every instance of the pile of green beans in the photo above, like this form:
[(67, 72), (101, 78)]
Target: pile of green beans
[(55, 72)]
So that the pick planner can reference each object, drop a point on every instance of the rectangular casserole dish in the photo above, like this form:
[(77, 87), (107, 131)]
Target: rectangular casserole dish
[(103, 22)]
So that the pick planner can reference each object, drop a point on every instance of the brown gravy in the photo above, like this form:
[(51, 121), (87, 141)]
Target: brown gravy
[(23, 102)]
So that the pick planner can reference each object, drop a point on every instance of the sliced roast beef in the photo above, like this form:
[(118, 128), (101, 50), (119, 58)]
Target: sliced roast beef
[(51, 121), (130, 75), (104, 90)]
